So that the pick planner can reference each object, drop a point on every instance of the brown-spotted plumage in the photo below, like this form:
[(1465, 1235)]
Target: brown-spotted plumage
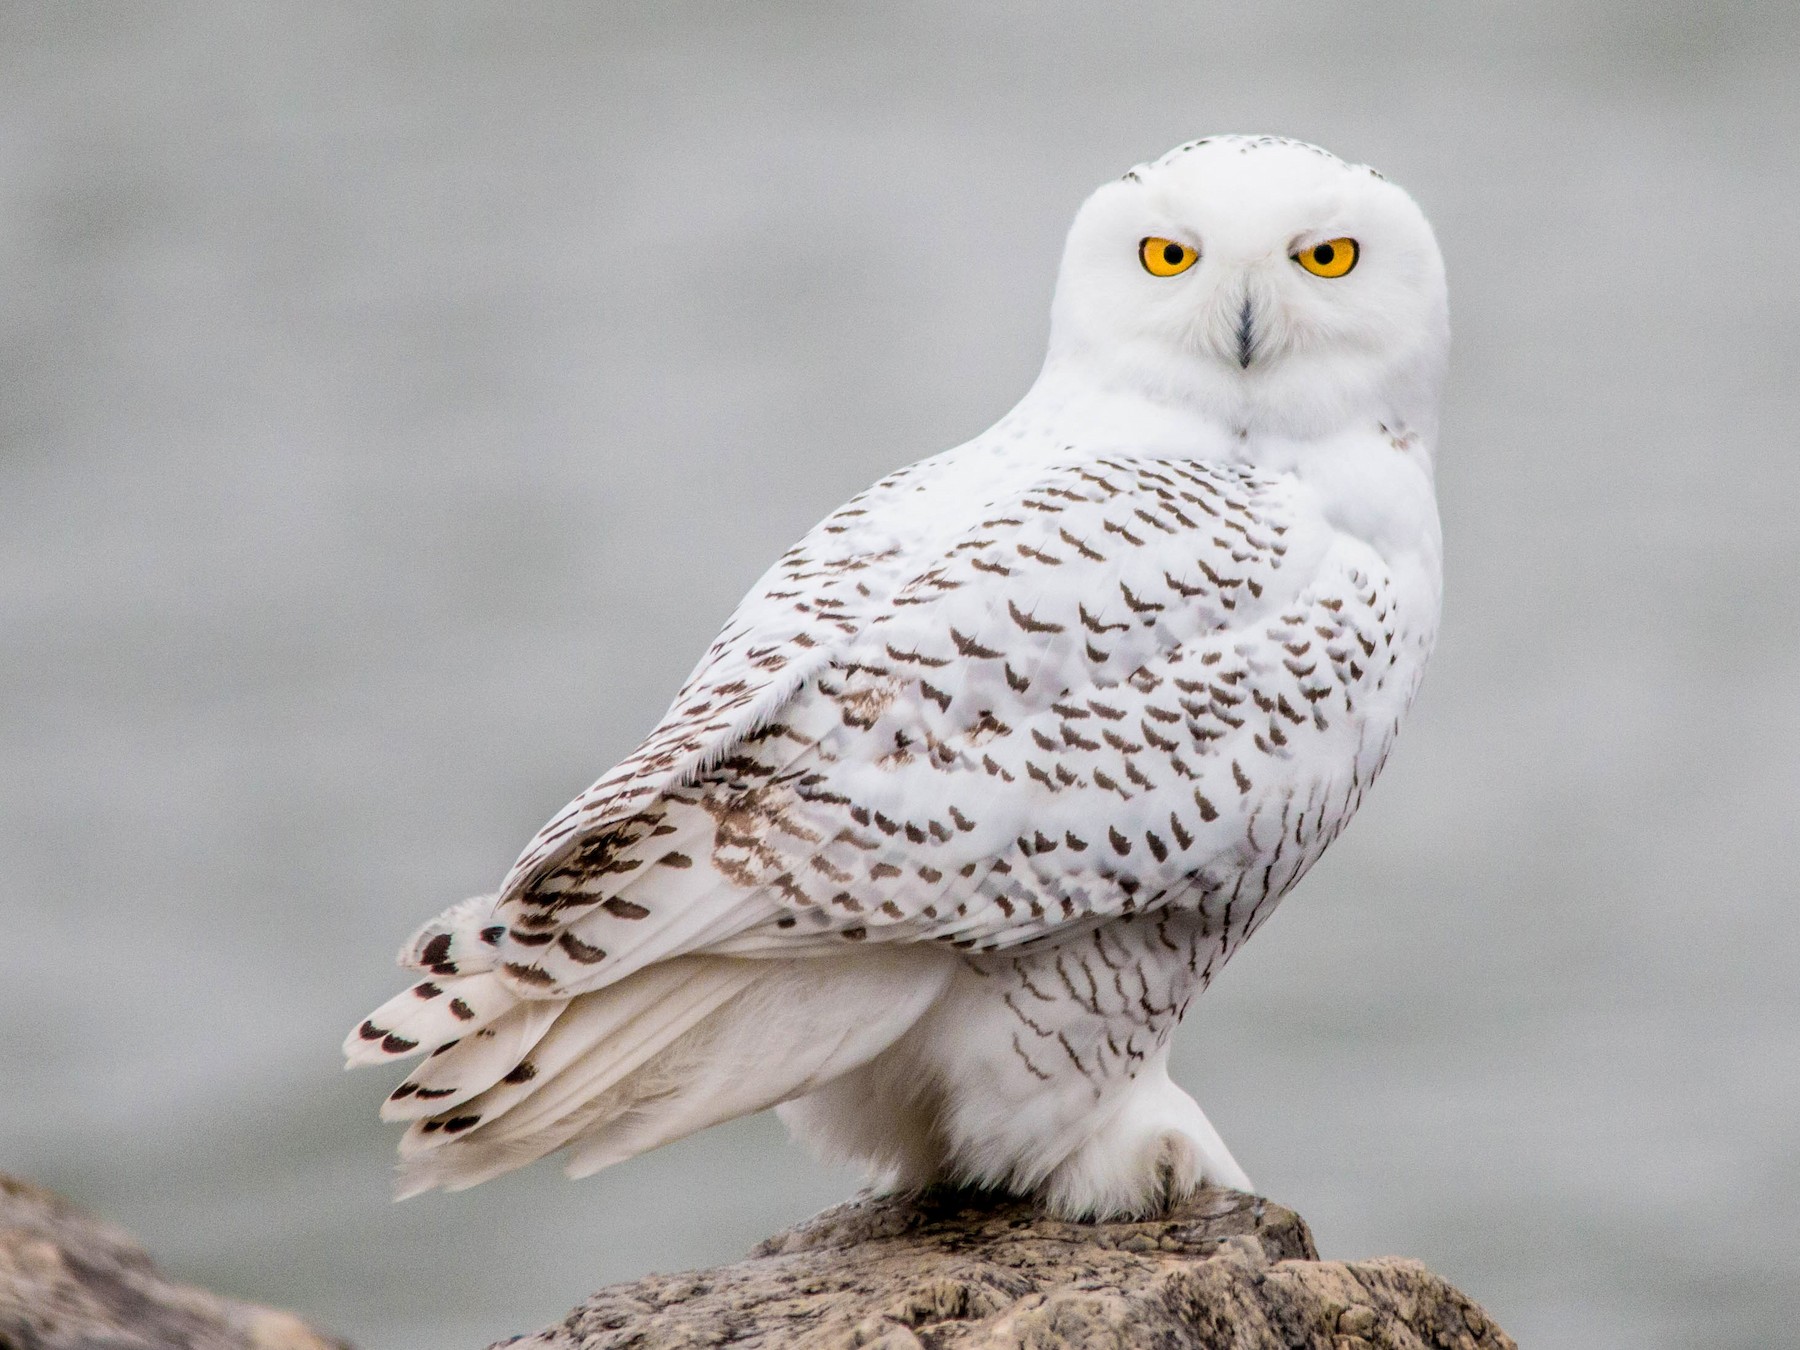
[(992, 771)]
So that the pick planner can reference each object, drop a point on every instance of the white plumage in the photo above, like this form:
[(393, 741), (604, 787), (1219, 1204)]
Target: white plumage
[(993, 770)]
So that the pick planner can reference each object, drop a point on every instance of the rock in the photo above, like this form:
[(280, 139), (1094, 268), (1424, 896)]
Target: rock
[(69, 1281), (949, 1271)]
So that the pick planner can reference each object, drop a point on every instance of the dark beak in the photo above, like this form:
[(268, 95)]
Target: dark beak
[(1246, 334)]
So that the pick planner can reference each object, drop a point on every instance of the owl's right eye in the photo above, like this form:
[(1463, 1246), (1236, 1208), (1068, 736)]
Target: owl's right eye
[(1165, 258)]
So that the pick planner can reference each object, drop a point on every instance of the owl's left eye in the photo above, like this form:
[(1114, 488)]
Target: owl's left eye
[(1164, 257), (1330, 259)]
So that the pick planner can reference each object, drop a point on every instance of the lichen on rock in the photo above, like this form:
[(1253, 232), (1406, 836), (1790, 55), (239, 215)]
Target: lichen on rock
[(69, 1281), (952, 1271)]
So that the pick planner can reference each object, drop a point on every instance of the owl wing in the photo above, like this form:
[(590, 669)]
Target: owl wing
[(811, 601), (1129, 679)]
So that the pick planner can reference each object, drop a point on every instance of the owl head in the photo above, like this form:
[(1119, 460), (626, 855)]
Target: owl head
[(1261, 282)]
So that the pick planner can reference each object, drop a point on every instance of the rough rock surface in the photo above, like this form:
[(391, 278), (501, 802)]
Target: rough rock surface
[(1224, 1271), (69, 1281)]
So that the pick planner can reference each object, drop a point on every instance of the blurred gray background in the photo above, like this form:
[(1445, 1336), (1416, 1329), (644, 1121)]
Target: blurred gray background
[(395, 398)]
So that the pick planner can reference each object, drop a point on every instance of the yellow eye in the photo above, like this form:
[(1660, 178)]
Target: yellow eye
[(1165, 257), (1331, 259)]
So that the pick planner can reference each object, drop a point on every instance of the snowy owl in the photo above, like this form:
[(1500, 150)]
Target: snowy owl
[(993, 770)]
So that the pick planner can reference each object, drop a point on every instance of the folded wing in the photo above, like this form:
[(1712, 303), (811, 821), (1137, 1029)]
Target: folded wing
[(1070, 708)]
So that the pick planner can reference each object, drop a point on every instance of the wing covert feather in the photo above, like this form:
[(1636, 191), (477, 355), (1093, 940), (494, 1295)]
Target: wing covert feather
[(1115, 686)]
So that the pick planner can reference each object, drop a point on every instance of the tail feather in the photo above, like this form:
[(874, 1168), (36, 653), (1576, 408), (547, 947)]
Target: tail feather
[(596, 1041), (430, 1014), (479, 1060), (456, 950), (670, 1050)]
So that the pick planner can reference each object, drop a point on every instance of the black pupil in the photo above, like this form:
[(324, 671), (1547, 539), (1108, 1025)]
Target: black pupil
[(1323, 255), (1172, 253)]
